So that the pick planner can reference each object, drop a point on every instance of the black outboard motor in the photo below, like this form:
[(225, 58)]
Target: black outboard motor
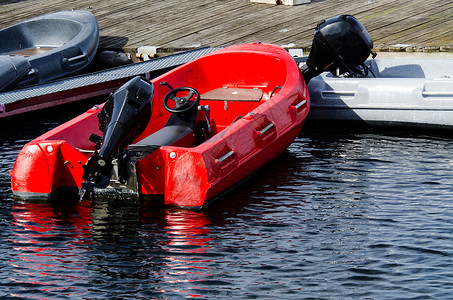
[(340, 43), (123, 118)]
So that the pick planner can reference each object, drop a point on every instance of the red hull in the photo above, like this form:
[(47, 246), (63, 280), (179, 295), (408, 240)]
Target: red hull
[(273, 111)]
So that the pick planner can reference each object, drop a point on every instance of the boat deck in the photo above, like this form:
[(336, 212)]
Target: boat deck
[(403, 25)]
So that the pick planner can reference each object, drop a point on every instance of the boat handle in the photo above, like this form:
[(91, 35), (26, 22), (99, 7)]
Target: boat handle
[(278, 87), (76, 60), (82, 56), (437, 94), (224, 157), (298, 105), (263, 131), (31, 78)]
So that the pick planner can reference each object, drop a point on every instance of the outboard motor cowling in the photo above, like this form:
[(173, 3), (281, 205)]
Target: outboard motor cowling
[(341, 44), (123, 118), (125, 115)]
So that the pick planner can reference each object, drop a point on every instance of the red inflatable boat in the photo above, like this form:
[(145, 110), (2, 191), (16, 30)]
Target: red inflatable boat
[(188, 135)]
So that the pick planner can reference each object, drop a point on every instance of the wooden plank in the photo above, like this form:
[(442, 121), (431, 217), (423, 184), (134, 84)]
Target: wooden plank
[(176, 24), (233, 94)]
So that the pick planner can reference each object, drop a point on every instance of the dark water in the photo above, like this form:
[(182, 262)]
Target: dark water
[(340, 215)]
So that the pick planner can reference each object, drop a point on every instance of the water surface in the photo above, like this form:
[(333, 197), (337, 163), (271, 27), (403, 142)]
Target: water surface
[(339, 215)]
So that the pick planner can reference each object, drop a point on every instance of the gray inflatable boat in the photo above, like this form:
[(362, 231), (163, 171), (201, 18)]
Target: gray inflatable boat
[(410, 92), (348, 88), (47, 47)]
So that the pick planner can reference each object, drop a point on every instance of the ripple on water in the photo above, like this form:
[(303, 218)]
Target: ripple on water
[(338, 215)]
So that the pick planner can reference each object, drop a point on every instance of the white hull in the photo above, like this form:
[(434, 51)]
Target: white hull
[(408, 92)]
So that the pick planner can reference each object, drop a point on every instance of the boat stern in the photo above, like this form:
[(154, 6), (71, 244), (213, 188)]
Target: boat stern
[(186, 178), (46, 168)]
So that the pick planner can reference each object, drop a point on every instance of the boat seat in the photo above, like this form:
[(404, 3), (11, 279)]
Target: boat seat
[(180, 135), (234, 94)]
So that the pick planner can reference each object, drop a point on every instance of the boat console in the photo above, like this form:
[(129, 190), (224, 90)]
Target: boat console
[(180, 127)]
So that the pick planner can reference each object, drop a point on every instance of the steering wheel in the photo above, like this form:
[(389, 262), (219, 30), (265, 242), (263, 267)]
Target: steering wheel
[(183, 104)]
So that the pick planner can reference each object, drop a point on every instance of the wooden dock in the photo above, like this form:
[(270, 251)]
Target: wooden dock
[(394, 25)]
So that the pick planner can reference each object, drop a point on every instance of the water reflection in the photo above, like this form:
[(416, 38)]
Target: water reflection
[(188, 242), (46, 244), (188, 231), (57, 247)]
